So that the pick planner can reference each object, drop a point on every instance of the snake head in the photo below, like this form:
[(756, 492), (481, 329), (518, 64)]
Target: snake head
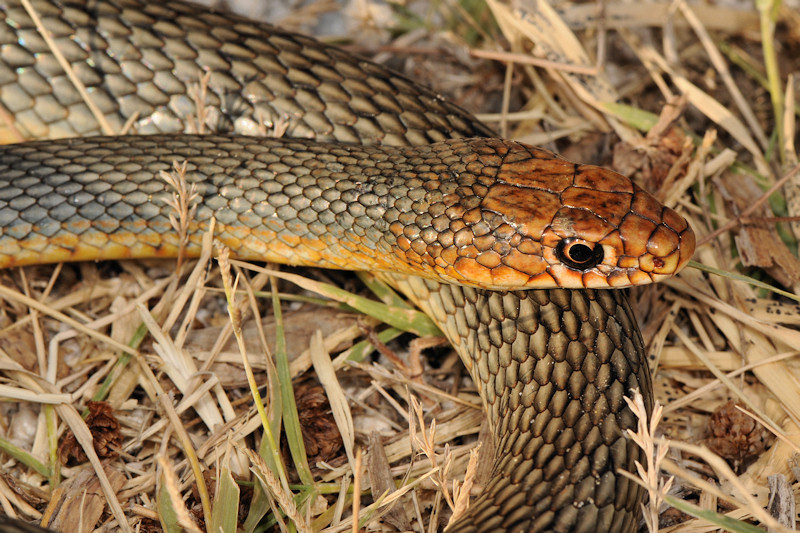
[(544, 222)]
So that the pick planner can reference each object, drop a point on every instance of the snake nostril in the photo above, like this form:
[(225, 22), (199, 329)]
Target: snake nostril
[(578, 254)]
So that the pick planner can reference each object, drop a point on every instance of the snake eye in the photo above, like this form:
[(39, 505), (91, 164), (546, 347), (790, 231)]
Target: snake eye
[(580, 255)]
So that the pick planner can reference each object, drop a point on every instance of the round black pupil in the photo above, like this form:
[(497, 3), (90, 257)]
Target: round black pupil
[(580, 253)]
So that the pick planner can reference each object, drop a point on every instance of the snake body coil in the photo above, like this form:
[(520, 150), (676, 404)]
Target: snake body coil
[(553, 366)]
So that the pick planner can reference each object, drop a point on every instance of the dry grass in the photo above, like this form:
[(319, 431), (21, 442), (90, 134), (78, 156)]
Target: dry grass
[(708, 124)]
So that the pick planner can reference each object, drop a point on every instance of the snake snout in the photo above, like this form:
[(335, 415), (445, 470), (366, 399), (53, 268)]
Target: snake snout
[(669, 247), (657, 241)]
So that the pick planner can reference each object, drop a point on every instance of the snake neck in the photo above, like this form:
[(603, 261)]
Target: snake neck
[(553, 368)]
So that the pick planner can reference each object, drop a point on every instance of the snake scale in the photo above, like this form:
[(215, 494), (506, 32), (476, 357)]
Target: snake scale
[(373, 172)]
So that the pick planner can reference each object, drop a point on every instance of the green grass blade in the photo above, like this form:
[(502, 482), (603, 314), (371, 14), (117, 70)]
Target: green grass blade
[(746, 279), (291, 420), (382, 290), (226, 507), (400, 317), (724, 522), (633, 116), (23, 457)]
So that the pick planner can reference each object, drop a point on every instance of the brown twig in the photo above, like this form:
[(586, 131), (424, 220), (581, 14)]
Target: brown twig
[(509, 57), (738, 220)]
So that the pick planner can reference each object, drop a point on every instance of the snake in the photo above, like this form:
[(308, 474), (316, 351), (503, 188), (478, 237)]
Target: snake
[(515, 253)]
